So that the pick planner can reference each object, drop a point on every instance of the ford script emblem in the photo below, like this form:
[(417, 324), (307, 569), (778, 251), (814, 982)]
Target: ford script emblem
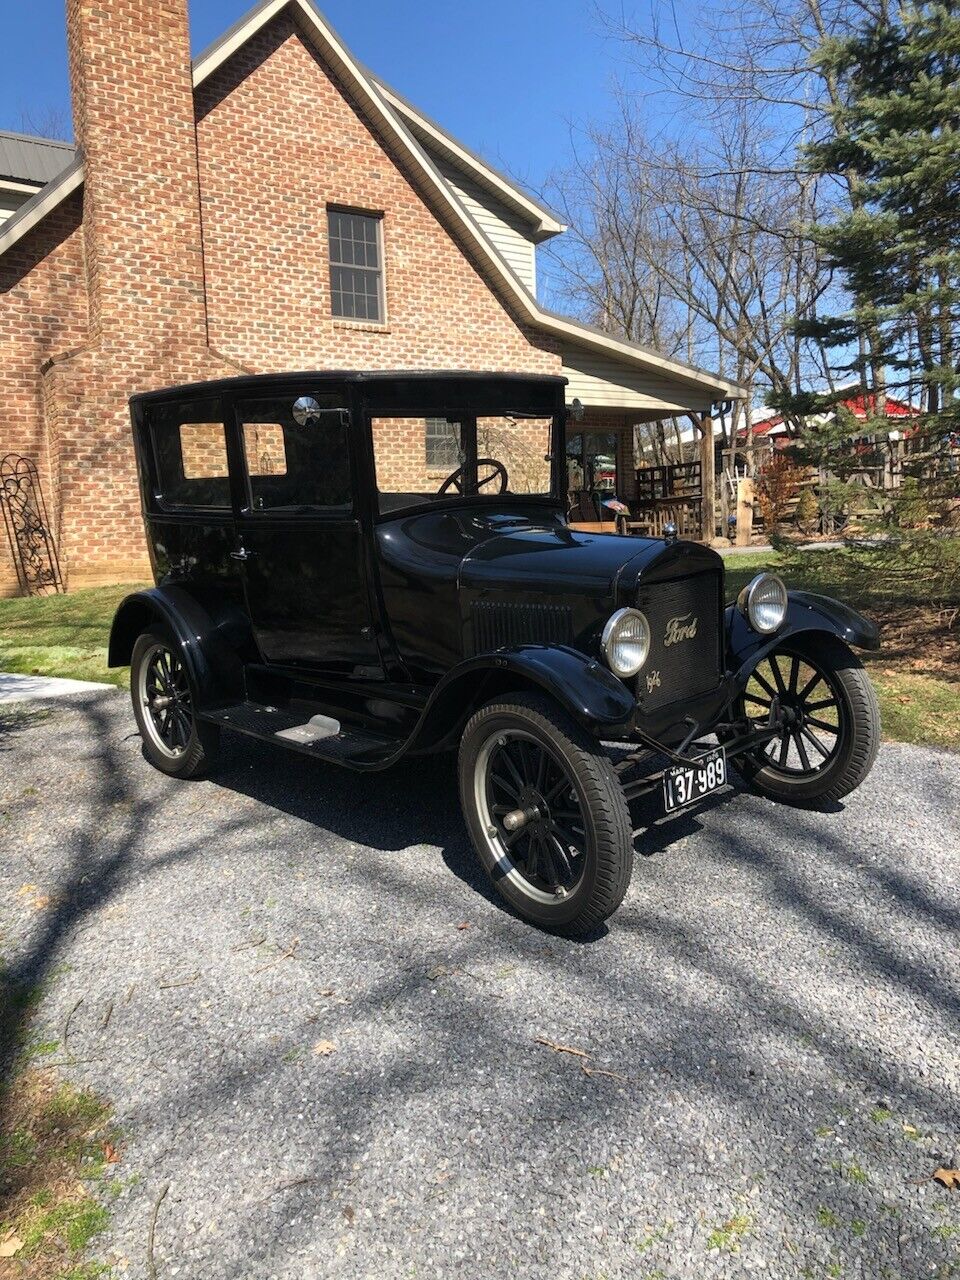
[(679, 629)]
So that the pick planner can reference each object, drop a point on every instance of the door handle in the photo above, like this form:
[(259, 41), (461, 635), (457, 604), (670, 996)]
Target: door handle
[(242, 554)]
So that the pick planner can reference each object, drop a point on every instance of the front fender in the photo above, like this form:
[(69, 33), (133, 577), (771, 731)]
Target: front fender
[(210, 643), (600, 703), (806, 612)]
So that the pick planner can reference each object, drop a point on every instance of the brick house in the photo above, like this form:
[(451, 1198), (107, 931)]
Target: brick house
[(272, 205)]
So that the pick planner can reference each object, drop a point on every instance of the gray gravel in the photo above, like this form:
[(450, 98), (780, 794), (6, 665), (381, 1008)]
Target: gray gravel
[(777, 1001)]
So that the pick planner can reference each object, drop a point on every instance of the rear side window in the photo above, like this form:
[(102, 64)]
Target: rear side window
[(295, 467), (190, 448)]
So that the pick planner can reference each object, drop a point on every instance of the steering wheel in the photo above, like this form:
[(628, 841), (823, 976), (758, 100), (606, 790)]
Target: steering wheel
[(455, 480)]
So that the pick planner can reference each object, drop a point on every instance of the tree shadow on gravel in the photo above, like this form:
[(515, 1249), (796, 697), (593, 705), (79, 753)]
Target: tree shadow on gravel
[(683, 1019), (97, 865), (703, 1038)]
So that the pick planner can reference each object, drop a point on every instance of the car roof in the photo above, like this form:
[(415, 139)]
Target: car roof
[(253, 381)]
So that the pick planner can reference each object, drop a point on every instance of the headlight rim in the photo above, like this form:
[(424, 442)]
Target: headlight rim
[(746, 598), (607, 639)]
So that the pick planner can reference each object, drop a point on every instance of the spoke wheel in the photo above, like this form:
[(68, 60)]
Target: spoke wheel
[(546, 813), (533, 814), (831, 733), (164, 703), (812, 700), (165, 695)]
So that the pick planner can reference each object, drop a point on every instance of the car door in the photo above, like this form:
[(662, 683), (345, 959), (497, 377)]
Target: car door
[(188, 509), (299, 539)]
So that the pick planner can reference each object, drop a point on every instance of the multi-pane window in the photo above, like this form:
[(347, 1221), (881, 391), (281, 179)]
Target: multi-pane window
[(443, 444), (356, 266)]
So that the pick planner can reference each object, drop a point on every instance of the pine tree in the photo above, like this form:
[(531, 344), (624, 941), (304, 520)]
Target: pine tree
[(895, 141)]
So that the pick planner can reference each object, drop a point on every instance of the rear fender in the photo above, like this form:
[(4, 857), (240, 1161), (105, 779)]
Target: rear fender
[(211, 643), (600, 703), (806, 613)]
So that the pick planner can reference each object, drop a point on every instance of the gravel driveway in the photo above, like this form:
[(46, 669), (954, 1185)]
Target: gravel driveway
[(771, 1019)]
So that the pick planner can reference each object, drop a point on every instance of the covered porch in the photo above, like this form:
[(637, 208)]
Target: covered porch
[(610, 466)]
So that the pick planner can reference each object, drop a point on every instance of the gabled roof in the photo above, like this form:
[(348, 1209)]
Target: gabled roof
[(30, 160), (397, 125)]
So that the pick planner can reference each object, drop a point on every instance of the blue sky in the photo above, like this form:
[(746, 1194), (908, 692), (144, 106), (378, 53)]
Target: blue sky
[(510, 100)]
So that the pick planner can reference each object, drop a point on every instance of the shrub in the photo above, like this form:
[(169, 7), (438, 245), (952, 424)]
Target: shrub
[(808, 511)]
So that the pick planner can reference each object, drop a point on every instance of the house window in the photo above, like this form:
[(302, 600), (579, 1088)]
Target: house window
[(442, 444), (356, 265)]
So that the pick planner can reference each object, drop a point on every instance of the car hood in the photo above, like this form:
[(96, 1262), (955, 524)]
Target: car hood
[(555, 560)]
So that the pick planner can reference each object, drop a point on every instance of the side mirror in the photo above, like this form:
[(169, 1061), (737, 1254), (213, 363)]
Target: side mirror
[(306, 412)]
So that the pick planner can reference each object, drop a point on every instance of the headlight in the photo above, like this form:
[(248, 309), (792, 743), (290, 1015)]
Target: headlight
[(626, 642), (764, 603)]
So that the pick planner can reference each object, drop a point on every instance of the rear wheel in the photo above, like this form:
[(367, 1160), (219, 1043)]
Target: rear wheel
[(174, 740), (546, 814), (832, 730)]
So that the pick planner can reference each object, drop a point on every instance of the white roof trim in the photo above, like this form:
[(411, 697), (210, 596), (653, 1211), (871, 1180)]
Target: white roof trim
[(9, 184), (544, 222), (44, 202), (376, 102)]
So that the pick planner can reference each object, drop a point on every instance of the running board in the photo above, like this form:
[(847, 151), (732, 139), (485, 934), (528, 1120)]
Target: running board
[(321, 736)]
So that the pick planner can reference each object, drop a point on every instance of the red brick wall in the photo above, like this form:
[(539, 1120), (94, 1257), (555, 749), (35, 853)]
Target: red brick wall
[(271, 141), (43, 313), (277, 143)]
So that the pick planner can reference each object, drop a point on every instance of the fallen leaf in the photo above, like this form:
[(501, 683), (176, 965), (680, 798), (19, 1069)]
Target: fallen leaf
[(10, 1246), (908, 1128), (25, 889), (949, 1178), (904, 701), (464, 924), (560, 1048), (349, 1213), (324, 1048), (110, 1153)]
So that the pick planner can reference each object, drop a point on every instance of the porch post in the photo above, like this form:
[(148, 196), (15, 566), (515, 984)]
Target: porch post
[(708, 515)]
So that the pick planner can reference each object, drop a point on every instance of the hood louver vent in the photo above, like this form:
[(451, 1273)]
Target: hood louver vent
[(498, 625)]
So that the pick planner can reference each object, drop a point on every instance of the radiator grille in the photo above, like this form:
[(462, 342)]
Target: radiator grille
[(691, 664), (497, 625)]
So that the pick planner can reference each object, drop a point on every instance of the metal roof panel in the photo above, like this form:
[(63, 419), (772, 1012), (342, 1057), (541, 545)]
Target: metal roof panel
[(27, 159)]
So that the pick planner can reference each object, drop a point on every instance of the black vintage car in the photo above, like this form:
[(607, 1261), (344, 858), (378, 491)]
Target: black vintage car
[(362, 567)]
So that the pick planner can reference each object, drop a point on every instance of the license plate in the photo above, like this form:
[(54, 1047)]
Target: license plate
[(684, 783)]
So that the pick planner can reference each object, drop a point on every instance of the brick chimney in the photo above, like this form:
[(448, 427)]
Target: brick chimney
[(134, 120), (143, 258)]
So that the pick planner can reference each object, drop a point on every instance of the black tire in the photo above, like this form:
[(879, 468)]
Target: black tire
[(555, 883), (187, 747), (852, 746)]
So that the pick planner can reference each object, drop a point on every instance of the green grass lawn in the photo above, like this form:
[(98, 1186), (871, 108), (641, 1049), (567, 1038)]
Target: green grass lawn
[(62, 635), (917, 674)]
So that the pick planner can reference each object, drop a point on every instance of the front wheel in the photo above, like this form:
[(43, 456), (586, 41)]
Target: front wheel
[(546, 814), (832, 723)]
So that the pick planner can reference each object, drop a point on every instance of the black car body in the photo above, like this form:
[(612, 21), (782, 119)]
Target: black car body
[(306, 595)]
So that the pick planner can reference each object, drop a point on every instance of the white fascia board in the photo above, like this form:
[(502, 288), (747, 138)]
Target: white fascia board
[(44, 202), (20, 188), (542, 220)]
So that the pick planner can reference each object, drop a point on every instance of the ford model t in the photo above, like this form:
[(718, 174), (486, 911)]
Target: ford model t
[(365, 567)]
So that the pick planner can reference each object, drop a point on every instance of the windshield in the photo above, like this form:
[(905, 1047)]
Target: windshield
[(435, 459)]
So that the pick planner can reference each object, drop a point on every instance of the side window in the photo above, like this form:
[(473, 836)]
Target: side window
[(292, 466), (191, 454)]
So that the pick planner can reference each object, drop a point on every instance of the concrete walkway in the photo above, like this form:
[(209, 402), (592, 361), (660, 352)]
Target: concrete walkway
[(27, 688)]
